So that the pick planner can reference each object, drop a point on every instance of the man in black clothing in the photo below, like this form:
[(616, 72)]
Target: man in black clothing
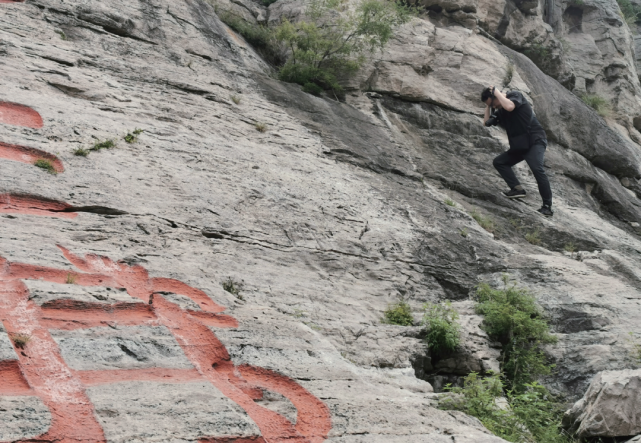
[(527, 142)]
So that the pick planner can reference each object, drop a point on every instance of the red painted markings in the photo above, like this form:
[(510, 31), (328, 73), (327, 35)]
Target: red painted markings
[(28, 155), (62, 390), (12, 381), (19, 115), (31, 205)]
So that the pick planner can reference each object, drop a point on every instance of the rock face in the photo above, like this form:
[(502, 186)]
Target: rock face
[(610, 408), (112, 270)]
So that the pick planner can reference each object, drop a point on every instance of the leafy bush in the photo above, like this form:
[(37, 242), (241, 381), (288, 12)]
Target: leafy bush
[(631, 13), (443, 330), (513, 318), (80, 152), (529, 416), (570, 247), (449, 202), (334, 40), (598, 103), (540, 55), (398, 314)]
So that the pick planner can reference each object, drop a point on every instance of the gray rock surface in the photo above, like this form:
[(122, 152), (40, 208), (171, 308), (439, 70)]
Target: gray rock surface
[(333, 213), (22, 417), (145, 411), (610, 408)]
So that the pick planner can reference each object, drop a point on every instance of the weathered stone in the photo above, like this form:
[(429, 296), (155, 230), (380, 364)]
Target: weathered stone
[(611, 407)]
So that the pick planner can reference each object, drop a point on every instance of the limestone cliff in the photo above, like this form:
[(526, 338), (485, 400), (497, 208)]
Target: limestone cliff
[(112, 269)]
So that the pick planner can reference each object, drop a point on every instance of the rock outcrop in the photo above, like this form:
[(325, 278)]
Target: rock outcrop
[(610, 408)]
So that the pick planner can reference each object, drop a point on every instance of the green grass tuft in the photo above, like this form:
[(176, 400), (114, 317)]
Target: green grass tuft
[(449, 202), (20, 340), (485, 222), (598, 103), (236, 99), (80, 152), (132, 137), (107, 144), (260, 127), (570, 247), (45, 164), (533, 238), (233, 287)]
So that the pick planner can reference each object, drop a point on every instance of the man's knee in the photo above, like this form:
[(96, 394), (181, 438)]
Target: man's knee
[(497, 162)]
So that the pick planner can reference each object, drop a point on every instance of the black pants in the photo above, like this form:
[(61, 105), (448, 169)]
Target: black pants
[(534, 158)]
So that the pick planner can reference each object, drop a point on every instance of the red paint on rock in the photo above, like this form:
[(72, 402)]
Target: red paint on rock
[(72, 418), (12, 381), (19, 115), (71, 314), (209, 356), (30, 205), (24, 154)]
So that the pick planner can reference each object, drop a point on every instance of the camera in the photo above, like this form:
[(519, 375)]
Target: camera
[(493, 120)]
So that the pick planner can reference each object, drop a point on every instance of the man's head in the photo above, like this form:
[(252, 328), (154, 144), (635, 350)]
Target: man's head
[(487, 97)]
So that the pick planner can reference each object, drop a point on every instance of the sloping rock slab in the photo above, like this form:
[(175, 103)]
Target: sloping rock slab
[(610, 408)]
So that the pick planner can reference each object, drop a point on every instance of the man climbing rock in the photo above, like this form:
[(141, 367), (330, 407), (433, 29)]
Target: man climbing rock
[(527, 142)]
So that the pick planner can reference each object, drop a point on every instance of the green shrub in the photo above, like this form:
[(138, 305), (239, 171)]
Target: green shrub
[(236, 99), (540, 55), (312, 88), (449, 202), (398, 314), (45, 164), (513, 318), (443, 330), (485, 222), (255, 34), (631, 13), (334, 39), (598, 103), (570, 247), (464, 232), (532, 415)]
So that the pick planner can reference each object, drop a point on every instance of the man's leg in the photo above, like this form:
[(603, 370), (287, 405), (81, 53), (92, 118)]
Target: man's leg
[(503, 163), (534, 158)]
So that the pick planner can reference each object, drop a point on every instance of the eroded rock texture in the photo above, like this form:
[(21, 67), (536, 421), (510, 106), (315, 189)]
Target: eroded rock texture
[(611, 406), (113, 268)]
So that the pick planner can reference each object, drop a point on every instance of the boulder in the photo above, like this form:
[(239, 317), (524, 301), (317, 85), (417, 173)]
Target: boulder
[(610, 408)]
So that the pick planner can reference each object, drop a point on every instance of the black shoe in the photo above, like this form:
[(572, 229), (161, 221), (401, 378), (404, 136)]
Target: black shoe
[(515, 193), (546, 210)]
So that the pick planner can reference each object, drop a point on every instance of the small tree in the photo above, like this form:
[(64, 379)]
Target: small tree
[(335, 39)]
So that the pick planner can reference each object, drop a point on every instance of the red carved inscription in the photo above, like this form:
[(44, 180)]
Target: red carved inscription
[(41, 370)]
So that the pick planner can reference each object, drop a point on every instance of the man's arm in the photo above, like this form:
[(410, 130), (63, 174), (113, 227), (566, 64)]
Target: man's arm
[(487, 114), (507, 104)]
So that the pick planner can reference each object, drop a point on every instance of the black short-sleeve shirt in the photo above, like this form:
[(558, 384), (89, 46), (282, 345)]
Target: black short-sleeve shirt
[(516, 122)]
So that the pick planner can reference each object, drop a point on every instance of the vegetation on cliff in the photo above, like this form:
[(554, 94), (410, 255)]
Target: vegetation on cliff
[(332, 41), (513, 405)]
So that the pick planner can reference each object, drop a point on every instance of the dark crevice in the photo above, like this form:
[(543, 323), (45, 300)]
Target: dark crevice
[(102, 210)]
